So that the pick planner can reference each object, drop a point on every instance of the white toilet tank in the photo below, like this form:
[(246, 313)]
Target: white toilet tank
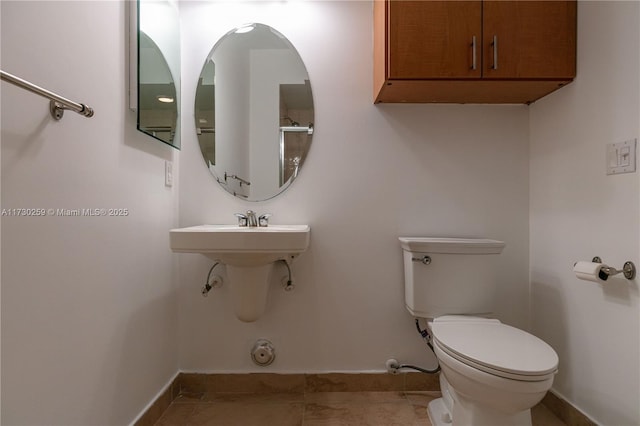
[(449, 275)]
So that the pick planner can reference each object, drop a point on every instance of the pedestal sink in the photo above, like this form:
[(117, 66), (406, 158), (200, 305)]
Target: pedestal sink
[(248, 253)]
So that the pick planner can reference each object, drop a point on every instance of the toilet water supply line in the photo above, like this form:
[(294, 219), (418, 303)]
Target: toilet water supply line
[(217, 281), (393, 366)]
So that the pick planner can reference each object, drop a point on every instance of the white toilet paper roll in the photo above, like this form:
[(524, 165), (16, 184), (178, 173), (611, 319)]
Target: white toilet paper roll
[(590, 271)]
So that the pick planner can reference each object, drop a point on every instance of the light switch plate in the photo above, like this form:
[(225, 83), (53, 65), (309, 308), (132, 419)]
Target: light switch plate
[(621, 157), (168, 173)]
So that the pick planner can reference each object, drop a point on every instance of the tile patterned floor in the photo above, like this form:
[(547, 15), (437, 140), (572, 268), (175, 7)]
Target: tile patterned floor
[(311, 409)]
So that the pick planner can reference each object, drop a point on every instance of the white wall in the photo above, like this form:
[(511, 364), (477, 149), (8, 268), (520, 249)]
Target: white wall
[(373, 173), (89, 312), (578, 212)]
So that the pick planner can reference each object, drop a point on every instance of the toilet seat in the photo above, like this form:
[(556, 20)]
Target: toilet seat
[(495, 348)]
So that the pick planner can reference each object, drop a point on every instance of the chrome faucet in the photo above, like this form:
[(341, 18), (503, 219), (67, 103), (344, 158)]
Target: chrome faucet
[(251, 220)]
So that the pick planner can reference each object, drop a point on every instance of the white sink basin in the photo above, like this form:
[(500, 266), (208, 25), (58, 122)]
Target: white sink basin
[(242, 246)]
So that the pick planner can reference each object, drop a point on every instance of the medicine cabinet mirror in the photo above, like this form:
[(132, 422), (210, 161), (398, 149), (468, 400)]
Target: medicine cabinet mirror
[(158, 70), (254, 112)]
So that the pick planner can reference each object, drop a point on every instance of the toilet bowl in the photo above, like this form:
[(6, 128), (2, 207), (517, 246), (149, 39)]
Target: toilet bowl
[(492, 373)]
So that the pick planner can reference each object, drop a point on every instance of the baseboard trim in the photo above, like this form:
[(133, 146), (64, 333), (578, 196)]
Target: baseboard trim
[(565, 411), (159, 404)]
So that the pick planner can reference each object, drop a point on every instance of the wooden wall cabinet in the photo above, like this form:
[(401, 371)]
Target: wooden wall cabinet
[(480, 51)]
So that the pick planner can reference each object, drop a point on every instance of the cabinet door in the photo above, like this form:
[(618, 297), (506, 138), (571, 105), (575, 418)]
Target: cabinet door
[(434, 39), (529, 39)]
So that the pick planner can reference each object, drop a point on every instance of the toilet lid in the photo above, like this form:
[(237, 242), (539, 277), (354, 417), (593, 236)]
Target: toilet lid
[(495, 348)]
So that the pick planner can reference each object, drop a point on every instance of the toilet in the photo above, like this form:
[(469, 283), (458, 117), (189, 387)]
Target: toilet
[(491, 373)]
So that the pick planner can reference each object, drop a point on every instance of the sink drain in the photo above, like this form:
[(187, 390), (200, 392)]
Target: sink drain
[(263, 353)]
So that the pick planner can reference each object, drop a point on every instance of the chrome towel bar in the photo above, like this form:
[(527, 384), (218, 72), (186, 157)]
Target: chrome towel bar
[(236, 177), (308, 129), (57, 105)]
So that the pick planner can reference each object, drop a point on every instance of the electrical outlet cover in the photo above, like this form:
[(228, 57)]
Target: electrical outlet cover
[(621, 157), (168, 173)]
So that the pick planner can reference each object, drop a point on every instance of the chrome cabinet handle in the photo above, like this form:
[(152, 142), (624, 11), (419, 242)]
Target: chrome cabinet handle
[(494, 66), (473, 53)]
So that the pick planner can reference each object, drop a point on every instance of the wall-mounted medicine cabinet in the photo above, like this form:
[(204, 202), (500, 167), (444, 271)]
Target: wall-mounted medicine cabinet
[(480, 51), (154, 86)]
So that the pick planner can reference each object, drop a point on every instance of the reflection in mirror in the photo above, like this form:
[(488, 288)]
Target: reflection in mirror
[(254, 112), (158, 70)]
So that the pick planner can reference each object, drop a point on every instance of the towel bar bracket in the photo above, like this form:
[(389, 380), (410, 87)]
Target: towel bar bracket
[(56, 109)]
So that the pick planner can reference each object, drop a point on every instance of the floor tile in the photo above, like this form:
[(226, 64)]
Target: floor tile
[(422, 416), (250, 414), (312, 409), (542, 416), (189, 397), (253, 398), (353, 397), (422, 398), (176, 415), (360, 414)]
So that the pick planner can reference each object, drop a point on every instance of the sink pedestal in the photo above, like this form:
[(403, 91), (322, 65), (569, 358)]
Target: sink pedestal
[(249, 289)]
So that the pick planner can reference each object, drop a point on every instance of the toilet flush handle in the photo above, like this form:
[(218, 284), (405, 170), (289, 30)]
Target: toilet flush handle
[(426, 260)]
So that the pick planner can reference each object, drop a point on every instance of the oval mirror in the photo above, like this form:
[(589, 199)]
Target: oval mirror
[(254, 112)]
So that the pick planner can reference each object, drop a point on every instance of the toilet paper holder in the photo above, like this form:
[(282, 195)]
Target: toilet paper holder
[(628, 269)]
